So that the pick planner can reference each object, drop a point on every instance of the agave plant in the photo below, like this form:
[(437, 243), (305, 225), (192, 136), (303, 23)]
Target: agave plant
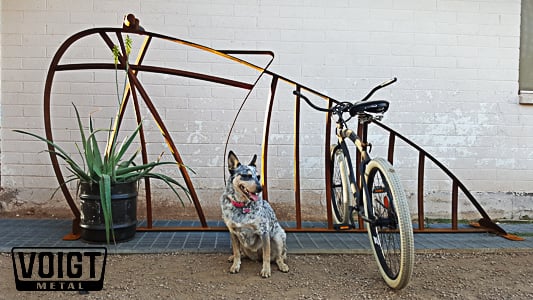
[(110, 167)]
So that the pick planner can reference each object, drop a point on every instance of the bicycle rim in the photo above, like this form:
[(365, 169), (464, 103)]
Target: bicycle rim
[(391, 233), (340, 186)]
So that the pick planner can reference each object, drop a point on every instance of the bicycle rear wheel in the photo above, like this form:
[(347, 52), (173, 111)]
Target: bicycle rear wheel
[(391, 231), (340, 186)]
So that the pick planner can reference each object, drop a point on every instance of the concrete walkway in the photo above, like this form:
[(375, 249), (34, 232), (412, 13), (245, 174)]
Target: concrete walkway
[(49, 233)]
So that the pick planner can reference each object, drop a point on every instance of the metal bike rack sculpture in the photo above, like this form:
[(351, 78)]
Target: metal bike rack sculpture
[(131, 26)]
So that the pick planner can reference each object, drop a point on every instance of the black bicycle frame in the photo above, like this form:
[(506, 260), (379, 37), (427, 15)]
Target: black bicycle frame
[(360, 144)]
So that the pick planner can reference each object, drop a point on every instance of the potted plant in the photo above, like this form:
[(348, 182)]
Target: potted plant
[(107, 181)]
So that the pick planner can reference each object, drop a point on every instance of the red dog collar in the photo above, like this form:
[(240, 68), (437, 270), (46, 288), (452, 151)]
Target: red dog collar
[(245, 210), (237, 204)]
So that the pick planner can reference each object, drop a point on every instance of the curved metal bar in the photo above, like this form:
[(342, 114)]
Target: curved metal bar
[(266, 134), (159, 70)]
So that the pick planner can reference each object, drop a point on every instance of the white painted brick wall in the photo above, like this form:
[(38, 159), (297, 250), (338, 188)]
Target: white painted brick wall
[(457, 64)]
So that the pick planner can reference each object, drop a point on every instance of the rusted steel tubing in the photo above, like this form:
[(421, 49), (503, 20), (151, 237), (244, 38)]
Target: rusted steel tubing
[(420, 191), (486, 220), (440, 165), (228, 54), (266, 121), (266, 134), (297, 161), (179, 228), (133, 80), (223, 53), (328, 167), (455, 192), (48, 131), (168, 139), (194, 75), (144, 154), (54, 66), (248, 52), (310, 229), (159, 70), (138, 117), (129, 90)]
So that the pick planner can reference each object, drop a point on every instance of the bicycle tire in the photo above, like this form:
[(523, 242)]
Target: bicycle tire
[(340, 186), (391, 235)]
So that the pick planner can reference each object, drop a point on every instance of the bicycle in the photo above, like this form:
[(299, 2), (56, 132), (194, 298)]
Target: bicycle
[(378, 197)]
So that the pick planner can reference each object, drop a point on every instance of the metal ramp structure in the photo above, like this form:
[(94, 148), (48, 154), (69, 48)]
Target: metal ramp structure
[(135, 92)]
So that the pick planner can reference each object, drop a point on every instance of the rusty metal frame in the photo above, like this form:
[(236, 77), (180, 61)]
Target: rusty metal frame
[(135, 89), (485, 222)]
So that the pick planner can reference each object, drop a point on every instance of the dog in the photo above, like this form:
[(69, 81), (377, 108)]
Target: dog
[(254, 229)]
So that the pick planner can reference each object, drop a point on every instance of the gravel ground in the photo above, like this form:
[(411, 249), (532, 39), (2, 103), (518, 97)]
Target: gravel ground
[(458, 275)]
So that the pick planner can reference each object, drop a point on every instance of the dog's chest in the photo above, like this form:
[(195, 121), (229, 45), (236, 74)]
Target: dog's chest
[(244, 215), (253, 214)]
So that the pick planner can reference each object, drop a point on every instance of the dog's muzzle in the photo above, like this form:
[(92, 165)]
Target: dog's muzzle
[(253, 196)]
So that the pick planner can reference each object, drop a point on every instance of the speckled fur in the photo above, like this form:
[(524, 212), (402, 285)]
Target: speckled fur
[(254, 229)]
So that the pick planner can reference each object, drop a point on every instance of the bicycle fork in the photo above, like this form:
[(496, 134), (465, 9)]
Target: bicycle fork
[(357, 193)]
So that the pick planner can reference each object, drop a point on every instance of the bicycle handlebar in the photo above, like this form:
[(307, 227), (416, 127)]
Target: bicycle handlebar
[(297, 93), (347, 105), (382, 85)]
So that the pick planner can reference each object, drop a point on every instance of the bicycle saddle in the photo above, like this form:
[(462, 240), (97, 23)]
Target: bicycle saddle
[(374, 107)]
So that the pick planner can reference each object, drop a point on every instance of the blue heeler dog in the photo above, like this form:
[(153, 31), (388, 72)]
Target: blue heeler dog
[(254, 229)]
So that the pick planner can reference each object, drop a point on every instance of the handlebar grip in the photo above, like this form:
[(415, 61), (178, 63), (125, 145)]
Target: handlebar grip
[(382, 85), (388, 82), (297, 93)]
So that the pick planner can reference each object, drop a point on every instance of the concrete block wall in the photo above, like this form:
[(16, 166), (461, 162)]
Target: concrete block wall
[(456, 61)]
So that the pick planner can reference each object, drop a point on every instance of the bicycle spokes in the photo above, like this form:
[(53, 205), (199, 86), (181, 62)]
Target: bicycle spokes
[(384, 214)]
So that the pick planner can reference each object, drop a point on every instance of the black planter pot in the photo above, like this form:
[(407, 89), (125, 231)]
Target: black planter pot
[(123, 208)]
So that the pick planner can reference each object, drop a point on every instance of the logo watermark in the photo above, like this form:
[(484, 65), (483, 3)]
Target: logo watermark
[(59, 269)]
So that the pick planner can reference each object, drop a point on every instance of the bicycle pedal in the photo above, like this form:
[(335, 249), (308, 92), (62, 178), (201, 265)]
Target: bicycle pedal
[(340, 227)]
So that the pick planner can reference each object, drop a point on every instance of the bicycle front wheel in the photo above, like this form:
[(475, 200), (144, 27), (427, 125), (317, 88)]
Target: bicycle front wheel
[(390, 230), (340, 186)]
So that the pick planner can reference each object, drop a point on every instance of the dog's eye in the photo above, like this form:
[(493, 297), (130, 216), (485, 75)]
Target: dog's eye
[(258, 177)]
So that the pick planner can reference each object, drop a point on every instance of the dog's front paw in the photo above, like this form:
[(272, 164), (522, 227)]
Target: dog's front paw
[(265, 272), (235, 268), (283, 267)]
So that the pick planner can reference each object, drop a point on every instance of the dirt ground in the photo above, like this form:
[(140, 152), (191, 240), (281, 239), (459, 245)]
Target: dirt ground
[(205, 276), (437, 275)]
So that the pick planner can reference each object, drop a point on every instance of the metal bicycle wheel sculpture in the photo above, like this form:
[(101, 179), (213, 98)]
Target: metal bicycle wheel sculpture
[(135, 92)]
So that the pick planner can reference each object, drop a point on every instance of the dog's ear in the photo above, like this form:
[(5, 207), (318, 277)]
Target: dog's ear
[(252, 163), (233, 162)]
